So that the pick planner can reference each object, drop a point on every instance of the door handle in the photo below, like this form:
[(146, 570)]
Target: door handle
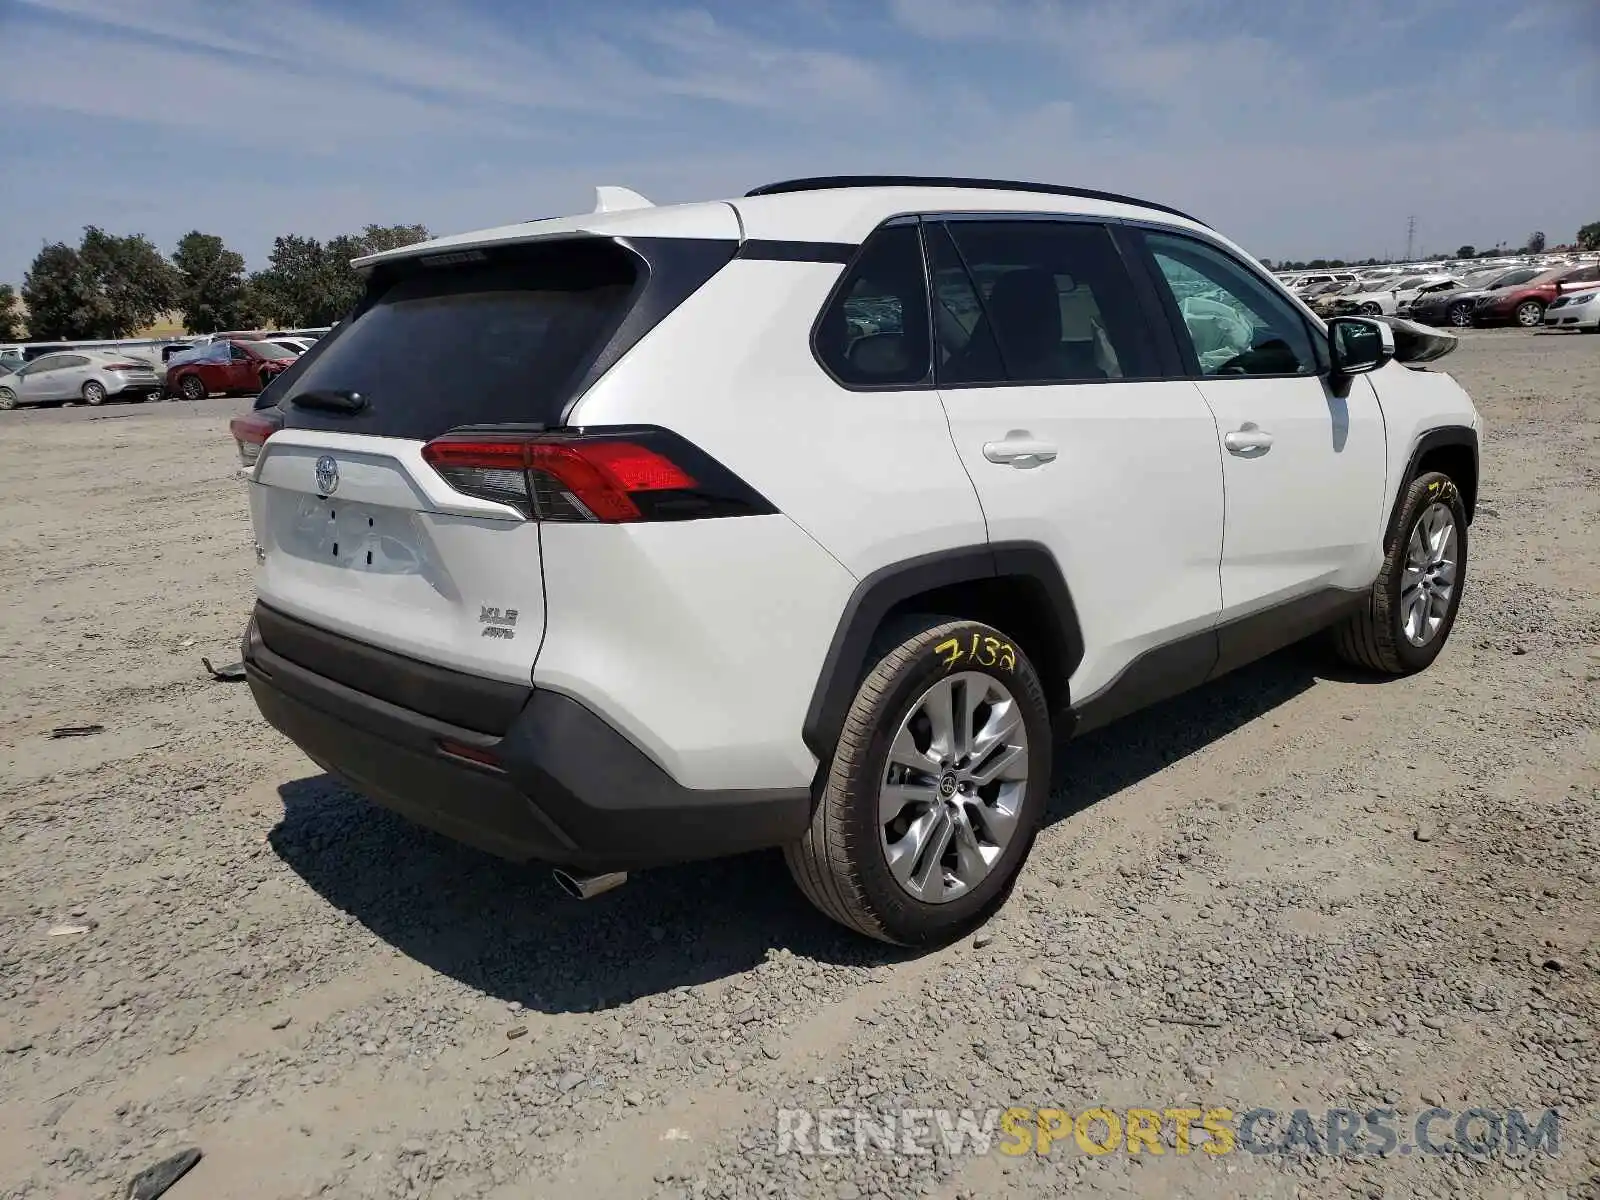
[(1248, 439), (1020, 452)]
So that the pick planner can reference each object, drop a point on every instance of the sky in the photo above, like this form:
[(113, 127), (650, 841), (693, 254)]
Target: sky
[(1301, 129)]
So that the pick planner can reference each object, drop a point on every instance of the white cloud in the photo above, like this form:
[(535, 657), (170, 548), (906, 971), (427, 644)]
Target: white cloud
[(468, 64)]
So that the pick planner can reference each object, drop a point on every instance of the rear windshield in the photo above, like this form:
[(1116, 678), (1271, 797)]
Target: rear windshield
[(466, 344)]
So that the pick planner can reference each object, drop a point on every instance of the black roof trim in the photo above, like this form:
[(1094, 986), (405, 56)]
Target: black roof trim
[(825, 182)]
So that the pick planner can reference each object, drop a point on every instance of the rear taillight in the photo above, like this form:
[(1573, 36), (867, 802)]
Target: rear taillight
[(603, 476), (250, 433), (127, 366)]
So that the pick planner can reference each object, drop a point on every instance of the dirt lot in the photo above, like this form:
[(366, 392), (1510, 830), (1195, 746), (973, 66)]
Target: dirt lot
[(1296, 888)]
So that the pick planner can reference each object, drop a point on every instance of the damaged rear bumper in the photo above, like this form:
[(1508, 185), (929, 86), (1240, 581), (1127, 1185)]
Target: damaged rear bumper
[(523, 773)]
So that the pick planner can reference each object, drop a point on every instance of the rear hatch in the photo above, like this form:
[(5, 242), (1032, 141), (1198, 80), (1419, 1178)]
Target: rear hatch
[(356, 531)]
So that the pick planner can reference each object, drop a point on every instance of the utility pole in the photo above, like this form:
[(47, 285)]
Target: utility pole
[(1411, 236)]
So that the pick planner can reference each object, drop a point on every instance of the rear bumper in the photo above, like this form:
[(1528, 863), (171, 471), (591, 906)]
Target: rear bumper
[(134, 387), (565, 787)]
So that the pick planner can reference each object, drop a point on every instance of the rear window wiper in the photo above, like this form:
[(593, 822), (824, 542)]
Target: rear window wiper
[(330, 401)]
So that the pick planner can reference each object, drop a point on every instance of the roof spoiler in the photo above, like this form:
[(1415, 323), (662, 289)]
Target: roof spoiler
[(616, 199)]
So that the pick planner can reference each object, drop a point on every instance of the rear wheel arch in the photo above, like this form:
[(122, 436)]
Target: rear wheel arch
[(1016, 587), (1451, 450)]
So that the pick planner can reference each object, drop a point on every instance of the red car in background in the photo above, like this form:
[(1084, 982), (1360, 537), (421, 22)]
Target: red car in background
[(227, 366), (1525, 303)]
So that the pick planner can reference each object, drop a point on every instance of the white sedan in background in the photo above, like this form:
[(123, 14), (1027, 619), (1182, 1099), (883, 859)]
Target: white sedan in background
[(1577, 307), (1386, 298)]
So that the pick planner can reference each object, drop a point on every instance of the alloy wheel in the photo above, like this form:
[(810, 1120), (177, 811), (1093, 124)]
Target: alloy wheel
[(1429, 581), (1530, 314), (952, 792), (1461, 316)]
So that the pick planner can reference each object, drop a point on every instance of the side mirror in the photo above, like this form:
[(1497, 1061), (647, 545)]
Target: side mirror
[(1357, 345)]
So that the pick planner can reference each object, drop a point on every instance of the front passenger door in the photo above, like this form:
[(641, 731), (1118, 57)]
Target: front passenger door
[(1304, 467), (34, 381)]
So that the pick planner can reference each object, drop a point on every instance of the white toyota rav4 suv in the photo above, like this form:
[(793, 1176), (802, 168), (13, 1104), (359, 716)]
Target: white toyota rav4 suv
[(818, 519)]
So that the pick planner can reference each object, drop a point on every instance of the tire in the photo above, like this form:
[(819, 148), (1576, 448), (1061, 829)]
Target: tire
[(192, 387), (94, 392), (1375, 637), (8, 398), (1460, 316), (1530, 314), (1371, 309), (843, 862)]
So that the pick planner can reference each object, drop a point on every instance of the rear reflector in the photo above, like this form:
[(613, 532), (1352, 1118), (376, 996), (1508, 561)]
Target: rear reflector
[(473, 754), (604, 476), (250, 433)]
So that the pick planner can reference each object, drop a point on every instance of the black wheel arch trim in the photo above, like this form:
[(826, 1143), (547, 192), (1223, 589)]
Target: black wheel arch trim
[(1434, 439), (890, 587)]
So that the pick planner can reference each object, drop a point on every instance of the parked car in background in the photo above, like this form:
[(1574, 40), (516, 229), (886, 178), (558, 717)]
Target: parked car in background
[(1323, 300), (298, 344), (1318, 290), (1525, 303), (1384, 299), (227, 366), (1299, 283), (1439, 287), (1453, 306), (1575, 309), (92, 376)]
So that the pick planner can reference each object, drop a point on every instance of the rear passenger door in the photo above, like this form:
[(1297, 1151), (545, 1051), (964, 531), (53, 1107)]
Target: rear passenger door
[(1304, 466), (1058, 380), (68, 382)]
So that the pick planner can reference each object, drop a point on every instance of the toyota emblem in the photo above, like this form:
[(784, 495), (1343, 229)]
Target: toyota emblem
[(327, 475)]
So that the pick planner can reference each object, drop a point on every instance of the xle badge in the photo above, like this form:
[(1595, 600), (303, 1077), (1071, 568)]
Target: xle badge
[(498, 624)]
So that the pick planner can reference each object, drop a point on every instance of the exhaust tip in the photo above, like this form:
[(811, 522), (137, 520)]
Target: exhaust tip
[(587, 887)]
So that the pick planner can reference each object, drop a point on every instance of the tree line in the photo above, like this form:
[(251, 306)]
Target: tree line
[(1588, 239), (110, 286)]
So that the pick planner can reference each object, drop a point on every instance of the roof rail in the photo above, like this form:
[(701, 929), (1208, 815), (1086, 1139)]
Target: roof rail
[(824, 182)]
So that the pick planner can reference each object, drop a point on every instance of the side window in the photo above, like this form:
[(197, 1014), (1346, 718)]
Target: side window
[(44, 364), (1236, 323), (874, 332), (218, 353), (239, 354), (1036, 302), (69, 361)]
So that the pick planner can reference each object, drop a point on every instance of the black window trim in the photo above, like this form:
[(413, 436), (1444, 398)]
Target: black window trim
[(926, 383), (1174, 351), (1316, 332)]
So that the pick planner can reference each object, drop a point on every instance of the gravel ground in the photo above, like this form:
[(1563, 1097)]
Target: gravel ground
[(1294, 888)]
